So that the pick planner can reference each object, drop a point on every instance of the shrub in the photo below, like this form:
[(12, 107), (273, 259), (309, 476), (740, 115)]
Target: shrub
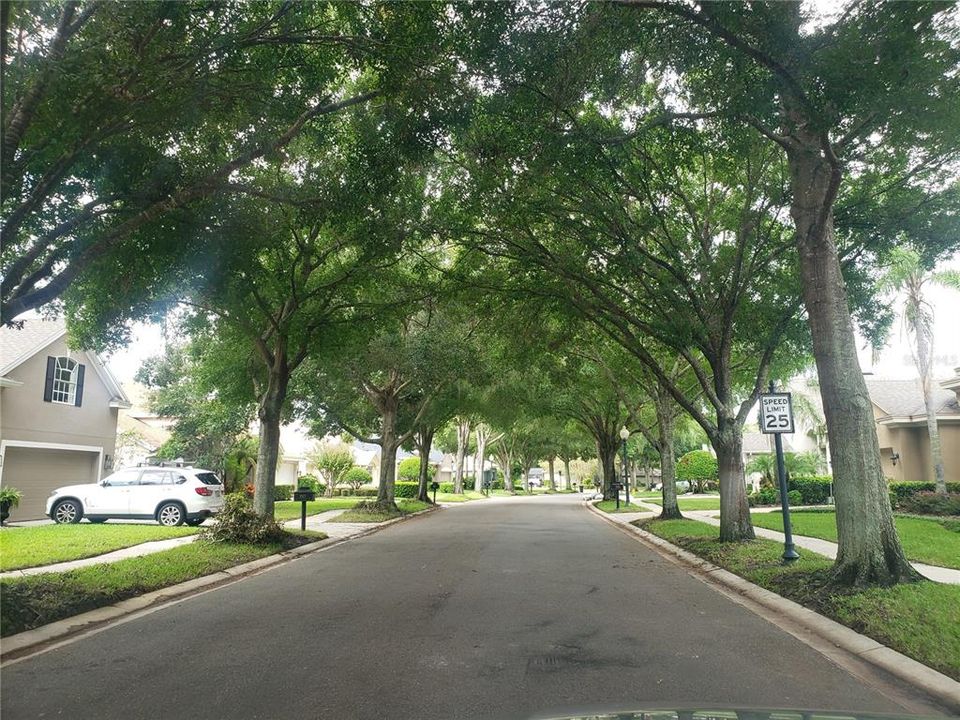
[(446, 487), (931, 503), (357, 476), (405, 489), (248, 490), (794, 497), (814, 489), (766, 496), (409, 470), (238, 523), (363, 492), (697, 467), (311, 482), (282, 492), (900, 491)]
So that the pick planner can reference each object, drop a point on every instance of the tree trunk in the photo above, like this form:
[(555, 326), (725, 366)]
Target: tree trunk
[(553, 481), (479, 461), (607, 455), (463, 438), (268, 454), (924, 351), (526, 478), (424, 440), (388, 455), (735, 521), (869, 549), (566, 473), (668, 479)]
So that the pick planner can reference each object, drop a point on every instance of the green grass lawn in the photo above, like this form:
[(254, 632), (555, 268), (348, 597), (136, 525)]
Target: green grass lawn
[(919, 619), (290, 509), (454, 498), (361, 515), (927, 541), (610, 506), (30, 602), (22, 547), (693, 503)]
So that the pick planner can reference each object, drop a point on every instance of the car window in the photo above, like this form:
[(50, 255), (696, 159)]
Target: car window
[(174, 478), (123, 477), (208, 478), (155, 477)]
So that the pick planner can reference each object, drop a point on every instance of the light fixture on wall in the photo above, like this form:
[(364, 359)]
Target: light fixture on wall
[(894, 457), (107, 463)]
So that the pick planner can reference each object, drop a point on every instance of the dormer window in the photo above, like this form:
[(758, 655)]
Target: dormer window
[(64, 382)]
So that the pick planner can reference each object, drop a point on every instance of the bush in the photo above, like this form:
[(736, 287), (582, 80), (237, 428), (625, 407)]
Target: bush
[(900, 491), (238, 523), (931, 503), (405, 489), (794, 497), (766, 496), (363, 492), (813, 489), (446, 487), (357, 476), (282, 492), (311, 482)]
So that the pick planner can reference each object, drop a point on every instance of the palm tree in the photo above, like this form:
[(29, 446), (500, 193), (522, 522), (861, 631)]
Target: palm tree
[(908, 275)]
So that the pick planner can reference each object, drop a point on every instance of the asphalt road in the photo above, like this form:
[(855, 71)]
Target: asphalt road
[(496, 609)]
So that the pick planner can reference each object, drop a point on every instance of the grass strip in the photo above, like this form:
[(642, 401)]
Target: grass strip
[(371, 514), (927, 541), (692, 503), (610, 506), (29, 602), (290, 509), (36, 545), (917, 619)]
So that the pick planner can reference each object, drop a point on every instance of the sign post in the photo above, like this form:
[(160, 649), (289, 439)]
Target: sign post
[(776, 418)]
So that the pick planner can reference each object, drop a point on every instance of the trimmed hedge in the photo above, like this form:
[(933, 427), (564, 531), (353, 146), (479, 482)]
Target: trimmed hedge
[(405, 489), (931, 503), (447, 487), (813, 489), (310, 481), (282, 492)]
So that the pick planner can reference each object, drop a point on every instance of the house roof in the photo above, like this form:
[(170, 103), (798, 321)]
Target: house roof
[(18, 344), (904, 399), (152, 436)]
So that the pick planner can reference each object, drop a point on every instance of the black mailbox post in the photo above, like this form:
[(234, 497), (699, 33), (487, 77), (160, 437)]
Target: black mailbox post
[(616, 486), (434, 486), (303, 495)]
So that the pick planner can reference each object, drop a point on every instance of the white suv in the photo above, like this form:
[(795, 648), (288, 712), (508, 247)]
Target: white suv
[(169, 495)]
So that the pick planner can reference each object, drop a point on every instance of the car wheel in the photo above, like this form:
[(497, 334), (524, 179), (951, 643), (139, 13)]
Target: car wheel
[(67, 512), (170, 514), (194, 522)]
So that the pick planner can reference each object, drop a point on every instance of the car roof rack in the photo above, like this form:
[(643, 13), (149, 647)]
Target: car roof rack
[(157, 462)]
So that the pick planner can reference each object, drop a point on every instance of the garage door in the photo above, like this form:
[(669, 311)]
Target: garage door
[(36, 472), (287, 473)]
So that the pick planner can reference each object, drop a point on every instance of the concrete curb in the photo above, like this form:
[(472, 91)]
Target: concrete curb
[(944, 689), (29, 641)]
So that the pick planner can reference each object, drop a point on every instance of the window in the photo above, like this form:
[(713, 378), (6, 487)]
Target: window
[(122, 478), (208, 478), (65, 381), (155, 477)]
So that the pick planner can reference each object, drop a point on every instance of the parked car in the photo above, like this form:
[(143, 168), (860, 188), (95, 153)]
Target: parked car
[(169, 495)]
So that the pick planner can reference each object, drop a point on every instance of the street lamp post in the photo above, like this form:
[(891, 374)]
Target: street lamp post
[(624, 435)]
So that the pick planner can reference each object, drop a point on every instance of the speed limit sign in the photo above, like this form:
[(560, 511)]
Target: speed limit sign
[(776, 413)]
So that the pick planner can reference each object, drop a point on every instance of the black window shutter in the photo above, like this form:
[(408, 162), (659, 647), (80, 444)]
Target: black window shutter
[(79, 400), (48, 385)]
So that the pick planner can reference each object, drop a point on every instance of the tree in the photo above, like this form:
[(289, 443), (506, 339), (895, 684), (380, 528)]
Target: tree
[(334, 462), (908, 276), (118, 118), (697, 467), (874, 89), (794, 464), (357, 477)]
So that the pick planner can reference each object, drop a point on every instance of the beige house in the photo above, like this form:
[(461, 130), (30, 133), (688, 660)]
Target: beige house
[(902, 427), (58, 414)]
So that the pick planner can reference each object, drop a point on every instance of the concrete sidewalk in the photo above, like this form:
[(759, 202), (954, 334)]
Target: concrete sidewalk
[(821, 547)]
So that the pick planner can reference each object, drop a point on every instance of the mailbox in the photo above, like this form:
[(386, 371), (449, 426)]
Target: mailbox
[(304, 494), (434, 485)]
